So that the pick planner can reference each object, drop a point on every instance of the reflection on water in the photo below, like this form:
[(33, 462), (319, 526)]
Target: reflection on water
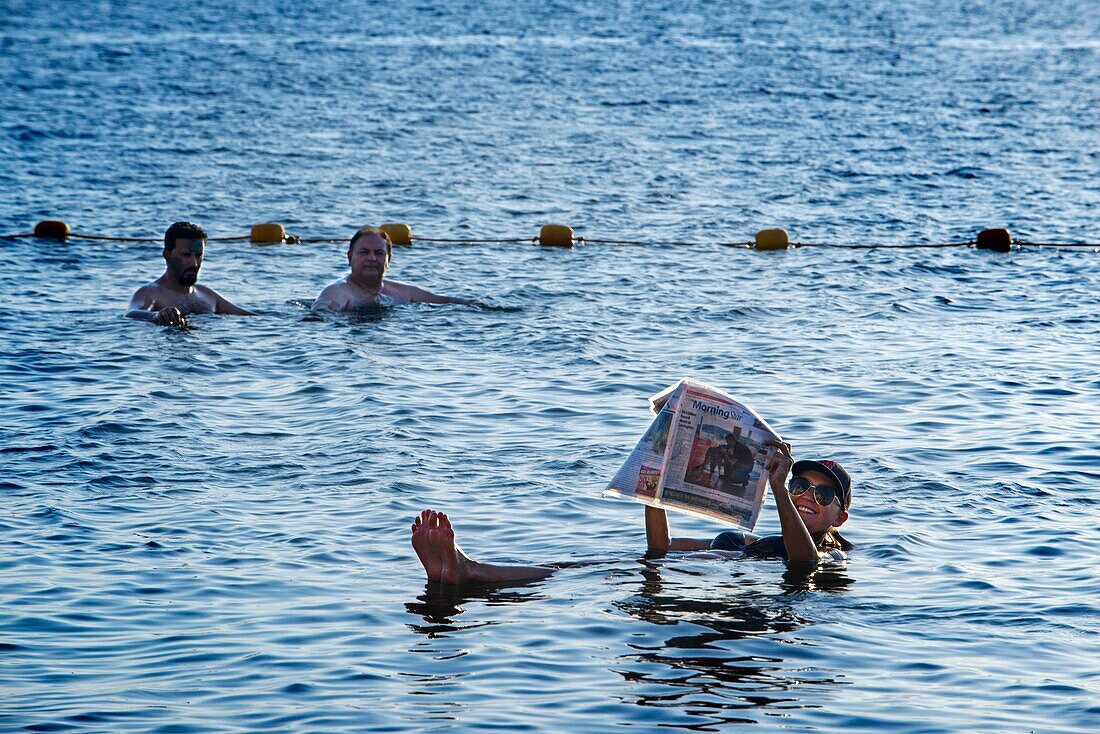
[(443, 665), (705, 670), (735, 643), (365, 314), (440, 605), (201, 525)]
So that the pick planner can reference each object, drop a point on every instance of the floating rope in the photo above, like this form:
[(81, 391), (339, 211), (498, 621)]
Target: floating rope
[(476, 240), (1022, 243), (318, 240), (557, 235), (881, 246), (672, 243), (112, 238)]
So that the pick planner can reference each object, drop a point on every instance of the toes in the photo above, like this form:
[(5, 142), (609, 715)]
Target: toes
[(424, 519)]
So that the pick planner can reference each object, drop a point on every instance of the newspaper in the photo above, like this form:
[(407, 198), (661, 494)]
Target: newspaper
[(703, 454)]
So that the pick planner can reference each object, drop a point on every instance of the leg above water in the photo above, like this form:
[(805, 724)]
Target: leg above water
[(433, 539)]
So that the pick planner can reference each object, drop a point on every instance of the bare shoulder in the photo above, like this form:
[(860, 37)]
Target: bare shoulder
[(210, 299), (206, 292), (145, 290), (333, 297), (145, 296), (339, 289)]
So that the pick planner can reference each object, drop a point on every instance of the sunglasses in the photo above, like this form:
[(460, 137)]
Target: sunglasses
[(824, 494)]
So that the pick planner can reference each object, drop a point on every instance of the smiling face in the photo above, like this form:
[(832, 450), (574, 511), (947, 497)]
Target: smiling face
[(818, 519), (369, 257), (185, 260)]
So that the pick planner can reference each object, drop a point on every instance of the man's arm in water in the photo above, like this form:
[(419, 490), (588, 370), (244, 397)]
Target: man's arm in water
[(223, 305), (144, 306), (332, 298), (419, 295)]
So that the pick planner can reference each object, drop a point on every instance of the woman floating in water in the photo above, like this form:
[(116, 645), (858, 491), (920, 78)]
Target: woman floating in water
[(811, 507)]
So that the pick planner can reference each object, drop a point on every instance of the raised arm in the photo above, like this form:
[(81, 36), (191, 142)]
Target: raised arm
[(796, 538)]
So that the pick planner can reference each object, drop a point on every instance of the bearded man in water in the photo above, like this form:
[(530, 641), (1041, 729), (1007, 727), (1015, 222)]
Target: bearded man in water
[(169, 299), (365, 287)]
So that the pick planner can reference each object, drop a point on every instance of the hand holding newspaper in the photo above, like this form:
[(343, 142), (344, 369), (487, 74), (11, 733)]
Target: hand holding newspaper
[(703, 454)]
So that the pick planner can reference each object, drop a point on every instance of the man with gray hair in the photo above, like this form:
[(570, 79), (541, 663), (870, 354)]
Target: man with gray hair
[(365, 287)]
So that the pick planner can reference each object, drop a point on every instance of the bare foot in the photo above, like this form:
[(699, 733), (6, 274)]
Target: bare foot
[(421, 543), (452, 561), (433, 539)]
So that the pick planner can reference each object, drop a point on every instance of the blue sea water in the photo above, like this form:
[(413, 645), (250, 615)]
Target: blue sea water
[(207, 530)]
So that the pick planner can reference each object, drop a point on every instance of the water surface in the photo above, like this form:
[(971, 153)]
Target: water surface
[(206, 530)]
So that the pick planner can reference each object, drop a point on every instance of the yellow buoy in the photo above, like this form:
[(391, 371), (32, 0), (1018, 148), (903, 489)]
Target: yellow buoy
[(400, 233), (772, 239), (997, 240), (556, 235), (268, 232), (52, 228)]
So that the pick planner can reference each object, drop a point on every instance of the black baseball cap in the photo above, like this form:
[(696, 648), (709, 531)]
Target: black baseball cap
[(834, 471)]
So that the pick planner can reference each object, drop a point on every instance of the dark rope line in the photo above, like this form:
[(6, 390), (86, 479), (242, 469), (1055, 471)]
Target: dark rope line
[(595, 241), (113, 239), (475, 240), (1054, 244), (674, 243), (587, 240), (881, 246), (102, 238)]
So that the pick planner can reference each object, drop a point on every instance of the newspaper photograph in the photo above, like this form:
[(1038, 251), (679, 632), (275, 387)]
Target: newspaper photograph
[(703, 454)]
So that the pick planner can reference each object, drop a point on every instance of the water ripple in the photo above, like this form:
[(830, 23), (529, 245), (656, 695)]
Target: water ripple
[(206, 530)]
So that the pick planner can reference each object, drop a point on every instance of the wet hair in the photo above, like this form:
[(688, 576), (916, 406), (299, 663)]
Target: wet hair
[(833, 539), (377, 231), (182, 231)]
